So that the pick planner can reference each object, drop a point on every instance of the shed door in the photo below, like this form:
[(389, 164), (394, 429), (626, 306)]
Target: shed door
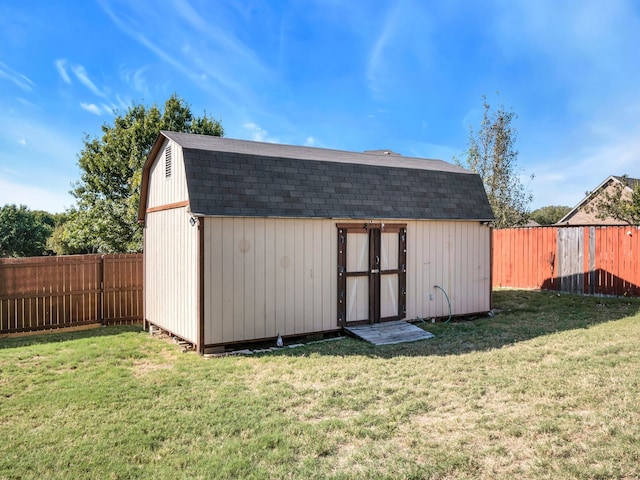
[(371, 273)]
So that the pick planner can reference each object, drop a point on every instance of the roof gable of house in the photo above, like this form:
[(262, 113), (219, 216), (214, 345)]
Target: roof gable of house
[(630, 184), (227, 177)]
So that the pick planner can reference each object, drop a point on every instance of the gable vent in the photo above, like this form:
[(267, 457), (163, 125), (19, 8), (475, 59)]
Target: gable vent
[(167, 162)]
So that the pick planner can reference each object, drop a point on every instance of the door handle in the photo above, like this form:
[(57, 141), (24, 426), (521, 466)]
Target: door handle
[(375, 270)]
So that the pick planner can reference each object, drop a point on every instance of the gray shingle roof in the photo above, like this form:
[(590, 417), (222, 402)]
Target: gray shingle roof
[(630, 182), (229, 177)]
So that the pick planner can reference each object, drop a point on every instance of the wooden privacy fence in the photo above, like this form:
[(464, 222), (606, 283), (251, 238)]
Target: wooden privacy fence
[(41, 293), (591, 260)]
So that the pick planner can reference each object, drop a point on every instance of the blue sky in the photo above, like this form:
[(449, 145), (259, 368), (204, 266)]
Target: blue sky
[(402, 75)]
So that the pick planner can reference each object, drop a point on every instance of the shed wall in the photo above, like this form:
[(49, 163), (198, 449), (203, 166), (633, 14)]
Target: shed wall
[(456, 256), (268, 276), (169, 190), (171, 272)]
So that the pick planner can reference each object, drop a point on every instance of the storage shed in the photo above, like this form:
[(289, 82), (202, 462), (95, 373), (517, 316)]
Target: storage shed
[(245, 241)]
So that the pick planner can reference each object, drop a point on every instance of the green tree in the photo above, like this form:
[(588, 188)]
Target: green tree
[(104, 218), (23, 232), (64, 239), (616, 202), (549, 215), (492, 155)]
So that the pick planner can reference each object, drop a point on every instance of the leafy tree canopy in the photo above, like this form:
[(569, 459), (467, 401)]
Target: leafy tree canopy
[(104, 218), (549, 215), (24, 232), (492, 155), (617, 203)]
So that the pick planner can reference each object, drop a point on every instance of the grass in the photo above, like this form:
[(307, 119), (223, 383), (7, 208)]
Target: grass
[(548, 388)]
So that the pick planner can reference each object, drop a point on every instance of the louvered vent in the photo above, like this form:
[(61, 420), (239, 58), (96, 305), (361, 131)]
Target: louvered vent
[(167, 162)]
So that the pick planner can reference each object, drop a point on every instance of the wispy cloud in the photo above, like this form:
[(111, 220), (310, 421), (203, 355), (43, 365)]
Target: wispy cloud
[(136, 79), (208, 55), (110, 109), (400, 52), (257, 133), (83, 77), (17, 78), (26, 103), (376, 63), (61, 67), (91, 108)]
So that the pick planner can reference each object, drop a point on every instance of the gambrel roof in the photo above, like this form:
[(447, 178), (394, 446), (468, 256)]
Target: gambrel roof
[(227, 177)]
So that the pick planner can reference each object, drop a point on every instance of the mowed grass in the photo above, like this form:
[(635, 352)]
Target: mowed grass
[(548, 388)]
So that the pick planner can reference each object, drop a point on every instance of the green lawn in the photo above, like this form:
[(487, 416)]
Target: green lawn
[(548, 388)]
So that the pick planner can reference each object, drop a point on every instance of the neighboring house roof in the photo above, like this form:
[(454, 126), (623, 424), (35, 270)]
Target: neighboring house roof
[(592, 219), (243, 178)]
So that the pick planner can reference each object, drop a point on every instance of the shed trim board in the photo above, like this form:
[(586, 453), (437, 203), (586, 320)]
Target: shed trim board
[(168, 206), (201, 288), (242, 240)]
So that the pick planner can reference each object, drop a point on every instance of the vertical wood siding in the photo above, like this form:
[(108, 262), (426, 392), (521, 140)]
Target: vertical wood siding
[(265, 277), (456, 257), (162, 190), (171, 272), (357, 287), (389, 283)]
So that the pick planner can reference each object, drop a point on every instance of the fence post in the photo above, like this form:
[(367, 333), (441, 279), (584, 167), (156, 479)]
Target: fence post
[(101, 295)]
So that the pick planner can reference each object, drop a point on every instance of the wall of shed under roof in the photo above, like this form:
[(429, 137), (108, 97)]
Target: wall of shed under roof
[(266, 276), (165, 190), (456, 256), (171, 272)]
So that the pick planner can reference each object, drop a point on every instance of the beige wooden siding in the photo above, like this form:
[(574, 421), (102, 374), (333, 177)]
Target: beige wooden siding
[(171, 272), (453, 255), (265, 277), (357, 287), (165, 190), (389, 283)]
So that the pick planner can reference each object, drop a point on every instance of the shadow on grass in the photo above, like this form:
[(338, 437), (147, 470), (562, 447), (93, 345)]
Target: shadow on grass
[(520, 316), (61, 336)]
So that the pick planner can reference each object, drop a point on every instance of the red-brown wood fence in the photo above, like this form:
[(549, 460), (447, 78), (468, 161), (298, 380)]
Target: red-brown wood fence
[(42, 293), (590, 260)]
